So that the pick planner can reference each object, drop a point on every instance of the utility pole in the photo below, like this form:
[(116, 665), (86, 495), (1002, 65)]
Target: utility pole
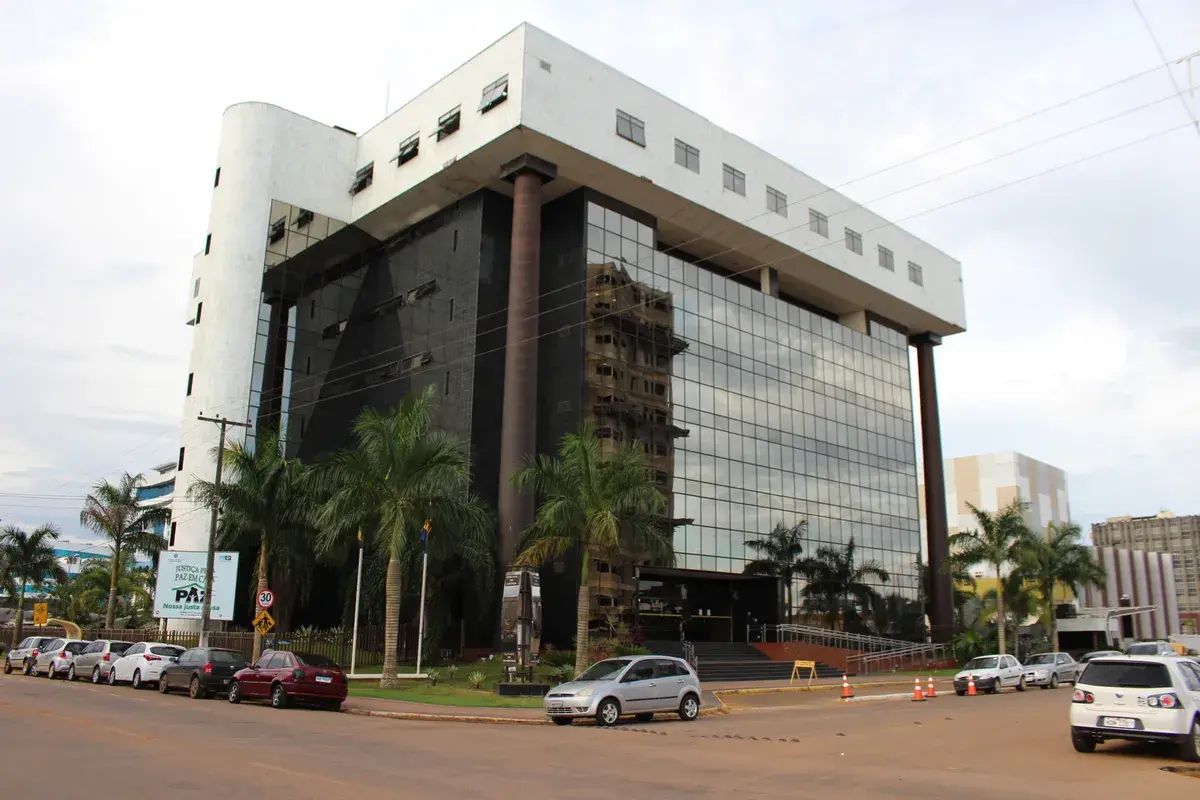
[(212, 528)]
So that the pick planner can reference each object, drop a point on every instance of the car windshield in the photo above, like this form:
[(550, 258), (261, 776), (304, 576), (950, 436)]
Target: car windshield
[(604, 670), (76, 648), (1147, 649), (983, 662), (119, 647), (226, 657), (315, 660), (1045, 658), (42, 643), (1127, 675), (53, 644), (168, 650)]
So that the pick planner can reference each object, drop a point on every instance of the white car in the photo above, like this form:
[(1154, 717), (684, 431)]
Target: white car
[(142, 663), (991, 673), (1142, 698)]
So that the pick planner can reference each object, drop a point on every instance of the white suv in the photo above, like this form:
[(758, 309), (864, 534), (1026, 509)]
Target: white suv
[(1154, 698)]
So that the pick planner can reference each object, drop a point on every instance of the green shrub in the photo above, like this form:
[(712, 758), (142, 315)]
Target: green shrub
[(476, 680), (630, 650), (451, 672), (431, 676), (557, 658), (562, 673)]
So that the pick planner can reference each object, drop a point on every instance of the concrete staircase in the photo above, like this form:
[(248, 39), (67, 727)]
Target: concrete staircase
[(735, 661)]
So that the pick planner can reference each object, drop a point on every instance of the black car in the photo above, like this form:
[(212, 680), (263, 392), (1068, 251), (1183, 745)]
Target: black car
[(203, 671)]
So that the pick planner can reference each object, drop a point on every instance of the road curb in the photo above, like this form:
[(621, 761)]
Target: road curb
[(830, 687), (420, 717)]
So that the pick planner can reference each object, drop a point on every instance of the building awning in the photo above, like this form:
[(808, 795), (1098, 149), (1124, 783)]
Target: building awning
[(1100, 618)]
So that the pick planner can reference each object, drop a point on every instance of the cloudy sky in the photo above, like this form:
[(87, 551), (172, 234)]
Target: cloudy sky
[(1084, 340)]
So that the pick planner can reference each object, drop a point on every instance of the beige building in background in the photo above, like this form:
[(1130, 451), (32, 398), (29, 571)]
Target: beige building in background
[(994, 480), (1165, 533)]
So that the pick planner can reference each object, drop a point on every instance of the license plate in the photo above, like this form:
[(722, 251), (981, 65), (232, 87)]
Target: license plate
[(1119, 722), (556, 703), (324, 679)]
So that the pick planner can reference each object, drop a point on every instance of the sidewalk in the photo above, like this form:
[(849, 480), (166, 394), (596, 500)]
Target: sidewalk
[(401, 709), (734, 687)]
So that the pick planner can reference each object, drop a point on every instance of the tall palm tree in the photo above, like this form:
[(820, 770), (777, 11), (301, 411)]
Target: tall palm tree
[(31, 562), (588, 502), (1001, 538), (835, 576), (398, 474), (112, 510), (1057, 559), (267, 502), (779, 556), (1018, 601)]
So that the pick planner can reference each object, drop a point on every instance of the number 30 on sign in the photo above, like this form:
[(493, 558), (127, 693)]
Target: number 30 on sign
[(266, 598)]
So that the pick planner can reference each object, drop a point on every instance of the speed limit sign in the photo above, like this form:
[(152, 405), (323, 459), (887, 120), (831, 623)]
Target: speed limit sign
[(265, 598)]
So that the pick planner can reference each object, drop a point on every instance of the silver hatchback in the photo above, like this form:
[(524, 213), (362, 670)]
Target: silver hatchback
[(640, 686)]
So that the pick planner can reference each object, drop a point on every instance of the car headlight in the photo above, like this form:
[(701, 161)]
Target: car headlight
[(586, 691)]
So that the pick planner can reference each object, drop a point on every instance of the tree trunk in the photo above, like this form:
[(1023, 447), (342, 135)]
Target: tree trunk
[(1001, 622), (1053, 623), (110, 613), (263, 551), (19, 622), (583, 616), (391, 623)]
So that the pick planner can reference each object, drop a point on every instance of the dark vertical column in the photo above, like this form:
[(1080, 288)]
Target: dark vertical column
[(519, 417), (270, 407), (941, 604), (768, 278)]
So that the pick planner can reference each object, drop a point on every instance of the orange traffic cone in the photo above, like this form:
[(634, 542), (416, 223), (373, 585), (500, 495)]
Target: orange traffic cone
[(847, 692), (971, 686), (930, 693), (917, 696)]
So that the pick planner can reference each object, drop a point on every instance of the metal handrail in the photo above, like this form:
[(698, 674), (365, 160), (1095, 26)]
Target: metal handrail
[(902, 656), (689, 654), (790, 632)]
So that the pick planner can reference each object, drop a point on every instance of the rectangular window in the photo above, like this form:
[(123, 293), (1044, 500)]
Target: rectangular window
[(854, 241), (217, 178), (196, 289), (449, 122), (494, 94), (450, 315), (446, 388), (179, 466), (777, 202), (207, 244), (301, 417), (191, 375), (278, 229), (199, 308), (916, 274), (409, 149), (818, 223), (687, 156), (363, 178), (734, 180), (631, 128), (886, 259), (303, 218), (171, 541), (308, 365)]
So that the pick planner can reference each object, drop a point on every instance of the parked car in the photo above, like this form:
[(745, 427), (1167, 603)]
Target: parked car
[(24, 652), (1086, 657), (142, 663), (203, 671), (1159, 648), (97, 659), (285, 678), (55, 658), (616, 687), (991, 673), (1155, 698), (1048, 670)]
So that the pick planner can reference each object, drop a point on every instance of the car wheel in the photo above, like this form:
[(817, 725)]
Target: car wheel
[(7, 667), (960, 692), (71, 676), (608, 713), (1083, 743), (1190, 749), (50, 671), (136, 682), (333, 705), (279, 698), (235, 693), (1021, 684), (562, 720), (27, 667), (112, 675), (1054, 681), (95, 674), (195, 690), (163, 686), (689, 707)]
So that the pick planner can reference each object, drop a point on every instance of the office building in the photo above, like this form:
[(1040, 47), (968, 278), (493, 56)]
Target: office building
[(548, 242), (1163, 533)]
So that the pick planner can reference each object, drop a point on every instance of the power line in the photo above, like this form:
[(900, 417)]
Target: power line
[(1192, 117)]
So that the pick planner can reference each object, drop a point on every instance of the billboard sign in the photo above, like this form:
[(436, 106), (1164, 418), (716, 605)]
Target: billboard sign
[(179, 592)]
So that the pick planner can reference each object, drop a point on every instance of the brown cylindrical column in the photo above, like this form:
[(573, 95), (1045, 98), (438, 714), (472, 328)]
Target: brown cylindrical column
[(519, 425), (941, 604)]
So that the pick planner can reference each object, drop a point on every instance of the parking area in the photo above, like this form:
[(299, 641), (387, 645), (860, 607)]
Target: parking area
[(802, 745)]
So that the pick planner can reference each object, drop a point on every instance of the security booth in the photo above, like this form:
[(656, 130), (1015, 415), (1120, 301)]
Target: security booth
[(701, 606)]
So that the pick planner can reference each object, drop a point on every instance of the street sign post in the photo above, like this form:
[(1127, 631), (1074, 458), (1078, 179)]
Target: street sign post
[(266, 598), (41, 613), (264, 622)]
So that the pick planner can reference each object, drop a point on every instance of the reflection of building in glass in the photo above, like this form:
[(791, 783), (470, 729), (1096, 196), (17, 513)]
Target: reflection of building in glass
[(573, 247)]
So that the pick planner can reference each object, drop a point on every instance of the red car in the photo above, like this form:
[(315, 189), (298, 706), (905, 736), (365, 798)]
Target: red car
[(290, 677)]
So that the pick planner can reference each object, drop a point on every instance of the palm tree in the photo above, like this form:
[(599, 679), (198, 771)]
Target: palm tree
[(267, 501), (835, 576), (1002, 538), (1012, 608), (1059, 558), (31, 562), (113, 511), (607, 504), (399, 474), (779, 556)]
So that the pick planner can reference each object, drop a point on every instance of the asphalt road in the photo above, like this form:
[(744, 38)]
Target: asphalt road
[(84, 740)]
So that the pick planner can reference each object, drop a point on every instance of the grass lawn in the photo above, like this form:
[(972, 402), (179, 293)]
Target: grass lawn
[(445, 695)]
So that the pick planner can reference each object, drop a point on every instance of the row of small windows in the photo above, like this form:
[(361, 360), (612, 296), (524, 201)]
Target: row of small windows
[(734, 180), (448, 124)]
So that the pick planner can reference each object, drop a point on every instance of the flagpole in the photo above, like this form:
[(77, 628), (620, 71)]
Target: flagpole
[(424, 569), (357, 598)]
